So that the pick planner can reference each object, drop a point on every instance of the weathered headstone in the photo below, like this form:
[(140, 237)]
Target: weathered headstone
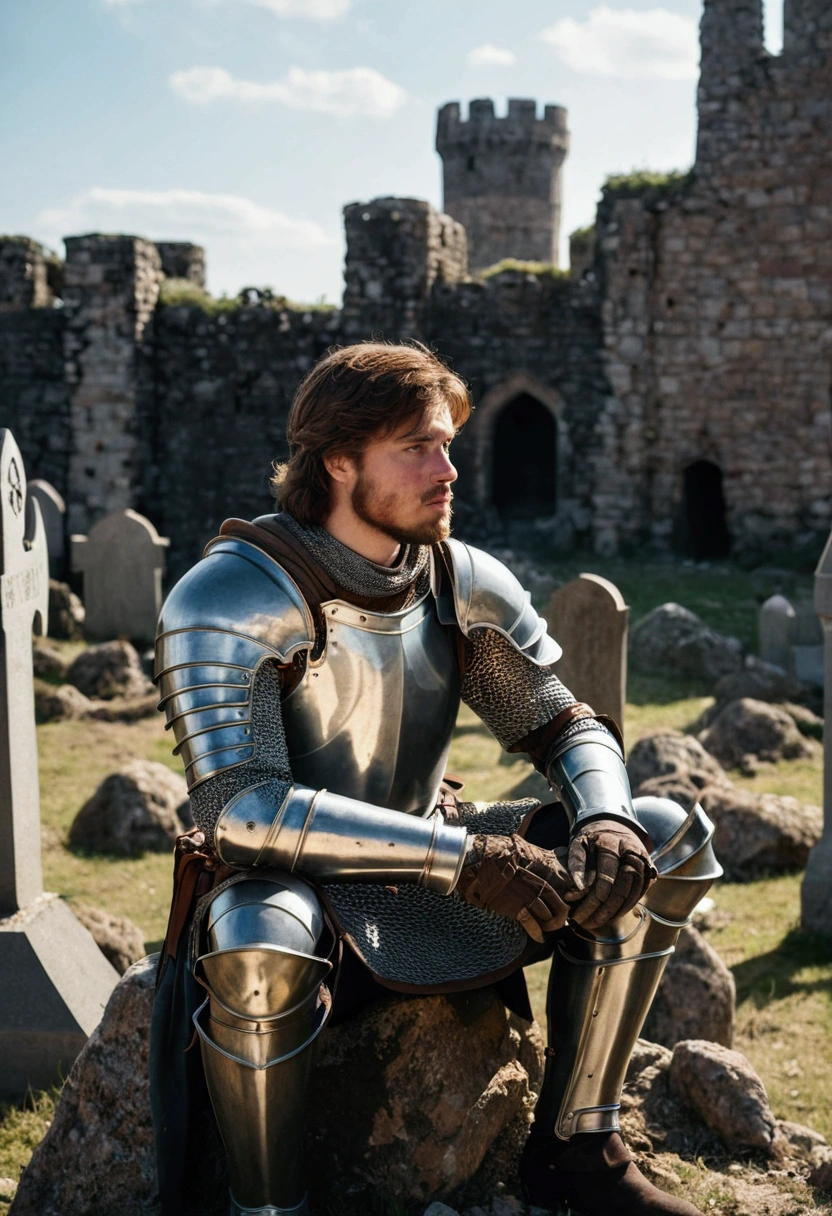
[(777, 622), (816, 891), (53, 978), (589, 619), (53, 513), (122, 561)]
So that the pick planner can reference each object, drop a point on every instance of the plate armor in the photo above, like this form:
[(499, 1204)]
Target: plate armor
[(368, 727)]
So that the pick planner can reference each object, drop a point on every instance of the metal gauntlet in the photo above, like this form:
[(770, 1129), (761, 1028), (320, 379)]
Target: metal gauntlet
[(325, 837), (588, 775)]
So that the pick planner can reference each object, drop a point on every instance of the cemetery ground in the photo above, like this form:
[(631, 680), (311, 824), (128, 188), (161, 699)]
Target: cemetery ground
[(783, 976)]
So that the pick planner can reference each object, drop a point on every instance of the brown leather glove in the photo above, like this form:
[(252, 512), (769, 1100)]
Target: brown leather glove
[(506, 874), (611, 867)]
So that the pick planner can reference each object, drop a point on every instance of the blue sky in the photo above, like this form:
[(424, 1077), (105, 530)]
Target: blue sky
[(246, 125)]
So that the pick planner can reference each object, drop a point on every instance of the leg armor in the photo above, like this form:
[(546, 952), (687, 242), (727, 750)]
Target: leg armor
[(603, 982), (265, 1005)]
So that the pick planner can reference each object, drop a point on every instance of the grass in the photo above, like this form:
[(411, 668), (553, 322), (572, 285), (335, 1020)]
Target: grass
[(640, 181), (784, 977), (541, 270)]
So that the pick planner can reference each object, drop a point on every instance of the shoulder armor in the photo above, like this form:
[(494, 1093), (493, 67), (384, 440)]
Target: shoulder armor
[(234, 610), (488, 596)]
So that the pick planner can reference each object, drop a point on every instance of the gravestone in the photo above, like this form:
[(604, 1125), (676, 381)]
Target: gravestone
[(777, 625), (53, 978), (807, 651), (53, 513), (816, 891), (122, 561), (589, 619)]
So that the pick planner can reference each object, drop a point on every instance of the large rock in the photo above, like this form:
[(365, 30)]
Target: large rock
[(97, 1156), (48, 663), (761, 681), (672, 638), (111, 669), (760, 834), (725, 1091), (669, 753), (119, 940), (748, 730), (408, 1100), (697, 996), (66, 613), (54, 703), (141, 807)]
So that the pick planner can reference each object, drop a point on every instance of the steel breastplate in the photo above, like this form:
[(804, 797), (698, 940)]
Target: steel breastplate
[(373, 718)]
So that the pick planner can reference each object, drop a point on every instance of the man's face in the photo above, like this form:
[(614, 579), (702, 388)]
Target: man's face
[(403, 481)]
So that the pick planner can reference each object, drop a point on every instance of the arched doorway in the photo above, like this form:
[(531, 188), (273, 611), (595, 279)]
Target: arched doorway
[(703, 534), (524, 458)]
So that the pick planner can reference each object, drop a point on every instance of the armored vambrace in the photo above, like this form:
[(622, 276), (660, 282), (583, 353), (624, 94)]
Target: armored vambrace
[(587, 772), (328, 838)]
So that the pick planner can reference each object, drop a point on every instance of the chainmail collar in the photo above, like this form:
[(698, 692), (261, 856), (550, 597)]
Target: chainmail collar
[(356, 573)]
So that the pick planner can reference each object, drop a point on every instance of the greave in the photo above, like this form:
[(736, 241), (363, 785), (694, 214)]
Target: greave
[(266, 1005), (602, 983)]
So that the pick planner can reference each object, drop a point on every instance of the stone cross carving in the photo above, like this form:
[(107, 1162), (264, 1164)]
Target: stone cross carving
[(777, 623), (122, 561), (53, 511), (589, 619), (24, 603), (54, 980), (816, 891)]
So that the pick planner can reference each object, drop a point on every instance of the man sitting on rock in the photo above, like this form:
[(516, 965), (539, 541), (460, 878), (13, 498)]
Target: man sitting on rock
[(311, 667)]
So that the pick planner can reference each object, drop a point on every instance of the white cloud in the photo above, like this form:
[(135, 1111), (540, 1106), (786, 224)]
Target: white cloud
[(314, 10), (490, 56), (630, 44), (353, 91), (181, 215)]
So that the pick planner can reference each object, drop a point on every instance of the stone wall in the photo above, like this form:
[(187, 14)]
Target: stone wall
[(718, 298), (34, 396), (214, 394)]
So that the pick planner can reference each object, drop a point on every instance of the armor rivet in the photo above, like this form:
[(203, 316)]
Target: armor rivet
[(333, 611), (571, 1115), (246, 677), (251, 825), (247, 730), (362, 618)]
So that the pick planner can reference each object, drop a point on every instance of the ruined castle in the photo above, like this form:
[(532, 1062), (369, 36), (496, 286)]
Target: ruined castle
[(672, 391)]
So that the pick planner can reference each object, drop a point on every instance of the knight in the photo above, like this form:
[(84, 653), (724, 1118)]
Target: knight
[(311, 667)]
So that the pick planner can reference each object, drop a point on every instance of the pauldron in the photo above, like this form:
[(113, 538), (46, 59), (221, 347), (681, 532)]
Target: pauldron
[(233, 611)]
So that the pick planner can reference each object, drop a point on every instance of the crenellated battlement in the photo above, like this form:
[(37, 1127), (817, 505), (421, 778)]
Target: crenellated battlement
[(519, 125)]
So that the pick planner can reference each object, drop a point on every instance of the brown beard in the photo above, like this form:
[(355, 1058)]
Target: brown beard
[(370, 507)]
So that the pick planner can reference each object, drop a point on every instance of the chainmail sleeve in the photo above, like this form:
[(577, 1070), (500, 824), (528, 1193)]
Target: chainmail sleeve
[(270, 762), (509, 693)]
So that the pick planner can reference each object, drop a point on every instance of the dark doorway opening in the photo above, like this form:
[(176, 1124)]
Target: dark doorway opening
[(524, 461), (703, 534)]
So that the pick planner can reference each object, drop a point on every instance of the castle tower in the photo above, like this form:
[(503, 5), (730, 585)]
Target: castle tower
[(502, 178)]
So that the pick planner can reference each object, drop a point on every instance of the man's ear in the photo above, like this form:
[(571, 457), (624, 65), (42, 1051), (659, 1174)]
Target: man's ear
[(340, 466)]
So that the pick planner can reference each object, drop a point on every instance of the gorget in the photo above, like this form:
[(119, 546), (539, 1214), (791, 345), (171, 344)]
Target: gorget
[(356, 573)]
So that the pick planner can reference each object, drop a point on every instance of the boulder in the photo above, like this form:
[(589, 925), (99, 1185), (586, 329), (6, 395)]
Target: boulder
[(110, 669), (410, 1099), (119, 940), (760, 834), (53, 703), (66, 613), (97, 1156), (672, 638), (47, 661), (745, 731), (669, 753), (761, 681), (806, 720), (140, 807), (725, 1091), (697, 996)]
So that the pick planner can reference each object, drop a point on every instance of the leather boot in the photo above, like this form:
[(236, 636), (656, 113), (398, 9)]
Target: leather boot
[(592, 1174)]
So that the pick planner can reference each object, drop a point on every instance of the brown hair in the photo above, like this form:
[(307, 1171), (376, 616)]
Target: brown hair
[(350, 395)]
